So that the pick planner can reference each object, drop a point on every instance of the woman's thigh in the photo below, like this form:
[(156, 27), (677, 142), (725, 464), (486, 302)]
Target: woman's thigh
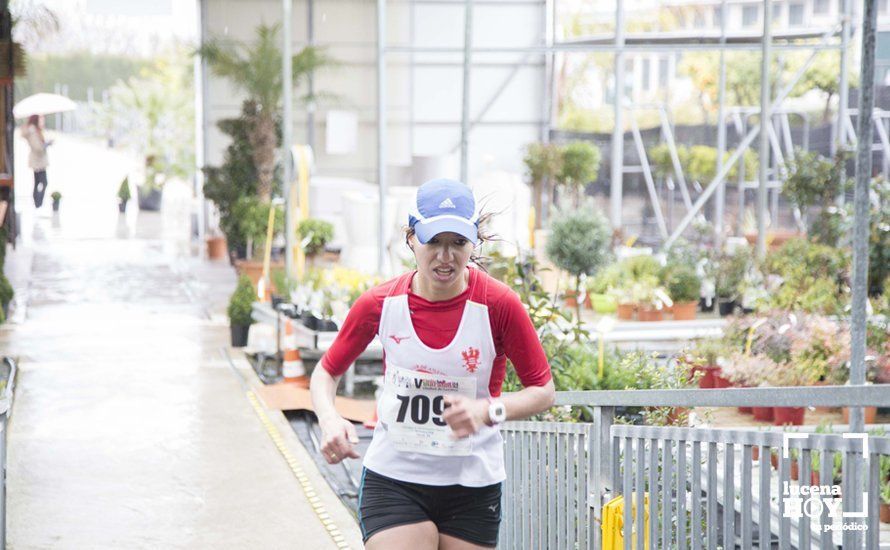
[(413, 536), (447, 542)]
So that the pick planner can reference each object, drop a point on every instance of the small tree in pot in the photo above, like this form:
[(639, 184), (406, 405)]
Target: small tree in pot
[(542, 163), (579, 244), (239, 310), (123, 195), (57, 199), (684, 288), (580, 162)]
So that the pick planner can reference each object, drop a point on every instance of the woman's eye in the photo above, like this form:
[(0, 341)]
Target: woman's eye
[(461, 242)]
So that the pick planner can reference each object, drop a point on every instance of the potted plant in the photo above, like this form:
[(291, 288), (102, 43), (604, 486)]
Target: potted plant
[(150, 193), (580, 163), (684, 288), (314, 235), (598, 288), (624, 298), (731, 269), (239, 310), (216, 246), (705, 357), (252, 217), (123, 195), (579, 244), (651, 300), (57, 199), (790, 375)]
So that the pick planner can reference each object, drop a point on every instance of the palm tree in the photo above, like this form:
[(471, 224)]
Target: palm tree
[(255, 68)]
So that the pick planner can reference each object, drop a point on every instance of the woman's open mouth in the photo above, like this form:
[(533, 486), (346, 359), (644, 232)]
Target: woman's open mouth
[(443, 273)]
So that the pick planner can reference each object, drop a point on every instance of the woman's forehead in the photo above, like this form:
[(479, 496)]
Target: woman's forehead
[(448, 236)]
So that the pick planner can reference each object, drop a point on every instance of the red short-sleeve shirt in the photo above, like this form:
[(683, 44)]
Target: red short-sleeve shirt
[(436, 324)]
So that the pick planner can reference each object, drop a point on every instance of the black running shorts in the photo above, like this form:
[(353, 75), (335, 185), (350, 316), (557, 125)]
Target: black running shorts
[(472, 514)]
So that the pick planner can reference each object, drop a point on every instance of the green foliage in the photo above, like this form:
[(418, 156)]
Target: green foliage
[(879, 238), (683, 285), (241, 302), (731, 270), (6, 291), (814, 277), (3, 237), (314, 235), (580, 163), (542, 161), (123, 192), (640, 267), (236, 177), (255, 67), (699, 162), (579, 241), (79, 71), (56, 196), (814, 180), (252, 218), (161, 100)]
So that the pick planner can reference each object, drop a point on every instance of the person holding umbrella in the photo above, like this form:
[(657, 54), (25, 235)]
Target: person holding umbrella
[(32, 131)]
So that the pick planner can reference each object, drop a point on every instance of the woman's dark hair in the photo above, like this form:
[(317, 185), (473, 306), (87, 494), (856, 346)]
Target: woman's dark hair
[(483, 234)]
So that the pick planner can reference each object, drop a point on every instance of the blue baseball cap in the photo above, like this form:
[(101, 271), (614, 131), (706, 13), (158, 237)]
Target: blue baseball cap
[(444, 205)]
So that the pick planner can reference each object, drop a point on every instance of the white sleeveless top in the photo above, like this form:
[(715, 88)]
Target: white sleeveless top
[(411, 441)]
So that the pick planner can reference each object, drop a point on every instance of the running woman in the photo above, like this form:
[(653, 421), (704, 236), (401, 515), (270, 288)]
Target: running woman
[(433, 472)]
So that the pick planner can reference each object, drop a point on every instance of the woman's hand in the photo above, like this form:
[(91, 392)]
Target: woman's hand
[(465, 416), (338, 439)]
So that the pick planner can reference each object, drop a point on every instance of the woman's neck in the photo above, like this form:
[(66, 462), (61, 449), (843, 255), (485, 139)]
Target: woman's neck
[(421, 287)]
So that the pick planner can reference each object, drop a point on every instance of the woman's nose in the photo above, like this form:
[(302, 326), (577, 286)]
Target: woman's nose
[(444, 254)]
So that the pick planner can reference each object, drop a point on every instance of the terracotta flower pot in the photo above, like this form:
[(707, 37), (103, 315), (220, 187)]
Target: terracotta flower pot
[(707, 381), (814, 477), (885, 513), (795, 470), (685, 311), (719, 381), (763, 414), (870, 413), (783, 416), (774, 460), (746, 410), (254, 270), (650, 315), (216, 248), (625, 312), (755, 453)]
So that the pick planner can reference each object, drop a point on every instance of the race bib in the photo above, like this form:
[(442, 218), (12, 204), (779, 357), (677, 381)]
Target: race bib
[(412, 408)]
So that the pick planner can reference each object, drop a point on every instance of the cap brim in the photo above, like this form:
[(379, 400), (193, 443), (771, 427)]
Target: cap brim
[(426, 231)]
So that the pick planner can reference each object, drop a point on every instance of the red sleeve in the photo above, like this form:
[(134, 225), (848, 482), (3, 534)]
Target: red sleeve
[(518, 338), (357, 332)]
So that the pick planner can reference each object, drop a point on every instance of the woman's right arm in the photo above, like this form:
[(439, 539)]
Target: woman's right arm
[(358, 330), (338, 436)]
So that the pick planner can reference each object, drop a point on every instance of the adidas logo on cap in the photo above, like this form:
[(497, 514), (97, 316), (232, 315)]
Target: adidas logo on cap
[(447, 204)]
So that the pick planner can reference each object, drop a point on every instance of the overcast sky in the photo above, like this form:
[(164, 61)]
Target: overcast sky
[(132, 27)]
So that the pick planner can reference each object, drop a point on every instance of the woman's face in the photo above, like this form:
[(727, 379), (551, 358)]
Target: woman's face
[(442, 260)]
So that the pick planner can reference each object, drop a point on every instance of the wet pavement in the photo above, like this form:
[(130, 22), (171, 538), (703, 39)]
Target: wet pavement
[(130, 427)]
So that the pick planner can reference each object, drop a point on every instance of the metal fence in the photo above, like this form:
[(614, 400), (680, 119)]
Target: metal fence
[(701, 487)]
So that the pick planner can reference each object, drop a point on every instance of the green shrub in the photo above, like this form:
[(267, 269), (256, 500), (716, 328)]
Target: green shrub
[(580, 163), (251, 218), (6, 291), (579, 243), (56, 196), (123, 192), (241, 302), (683, 284), (731, 270), (639, 267), (314, 235)]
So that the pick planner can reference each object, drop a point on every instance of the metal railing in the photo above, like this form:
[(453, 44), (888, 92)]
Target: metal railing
[(704, 490)]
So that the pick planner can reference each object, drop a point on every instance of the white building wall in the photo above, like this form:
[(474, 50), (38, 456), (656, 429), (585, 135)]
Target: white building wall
[(431, 99)]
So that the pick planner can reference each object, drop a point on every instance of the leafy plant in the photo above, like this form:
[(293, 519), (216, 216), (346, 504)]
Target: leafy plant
[(241, 302), (56, 196), (542, 163), (683, 285), (251, 217), (256, 69), (580, 163), (731, 270), (314, 235), (123, 192), (579, 244)]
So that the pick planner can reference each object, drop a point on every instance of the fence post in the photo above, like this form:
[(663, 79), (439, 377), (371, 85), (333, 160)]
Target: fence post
[(601, 444)]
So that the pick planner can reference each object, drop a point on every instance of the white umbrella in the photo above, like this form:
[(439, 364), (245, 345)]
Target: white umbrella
[(42, 104)]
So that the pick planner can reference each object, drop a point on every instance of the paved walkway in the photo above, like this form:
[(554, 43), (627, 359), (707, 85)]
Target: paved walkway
[(129, 428)]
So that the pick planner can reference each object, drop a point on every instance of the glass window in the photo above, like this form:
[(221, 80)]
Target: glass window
[(750, 15), (699, 20), (820, 7), (663, 67), (883, 6), (777, 12), (718, 16), (795, 14)]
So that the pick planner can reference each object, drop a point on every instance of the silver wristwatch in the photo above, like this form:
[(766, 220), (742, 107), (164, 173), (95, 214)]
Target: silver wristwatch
[(497, 412)]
